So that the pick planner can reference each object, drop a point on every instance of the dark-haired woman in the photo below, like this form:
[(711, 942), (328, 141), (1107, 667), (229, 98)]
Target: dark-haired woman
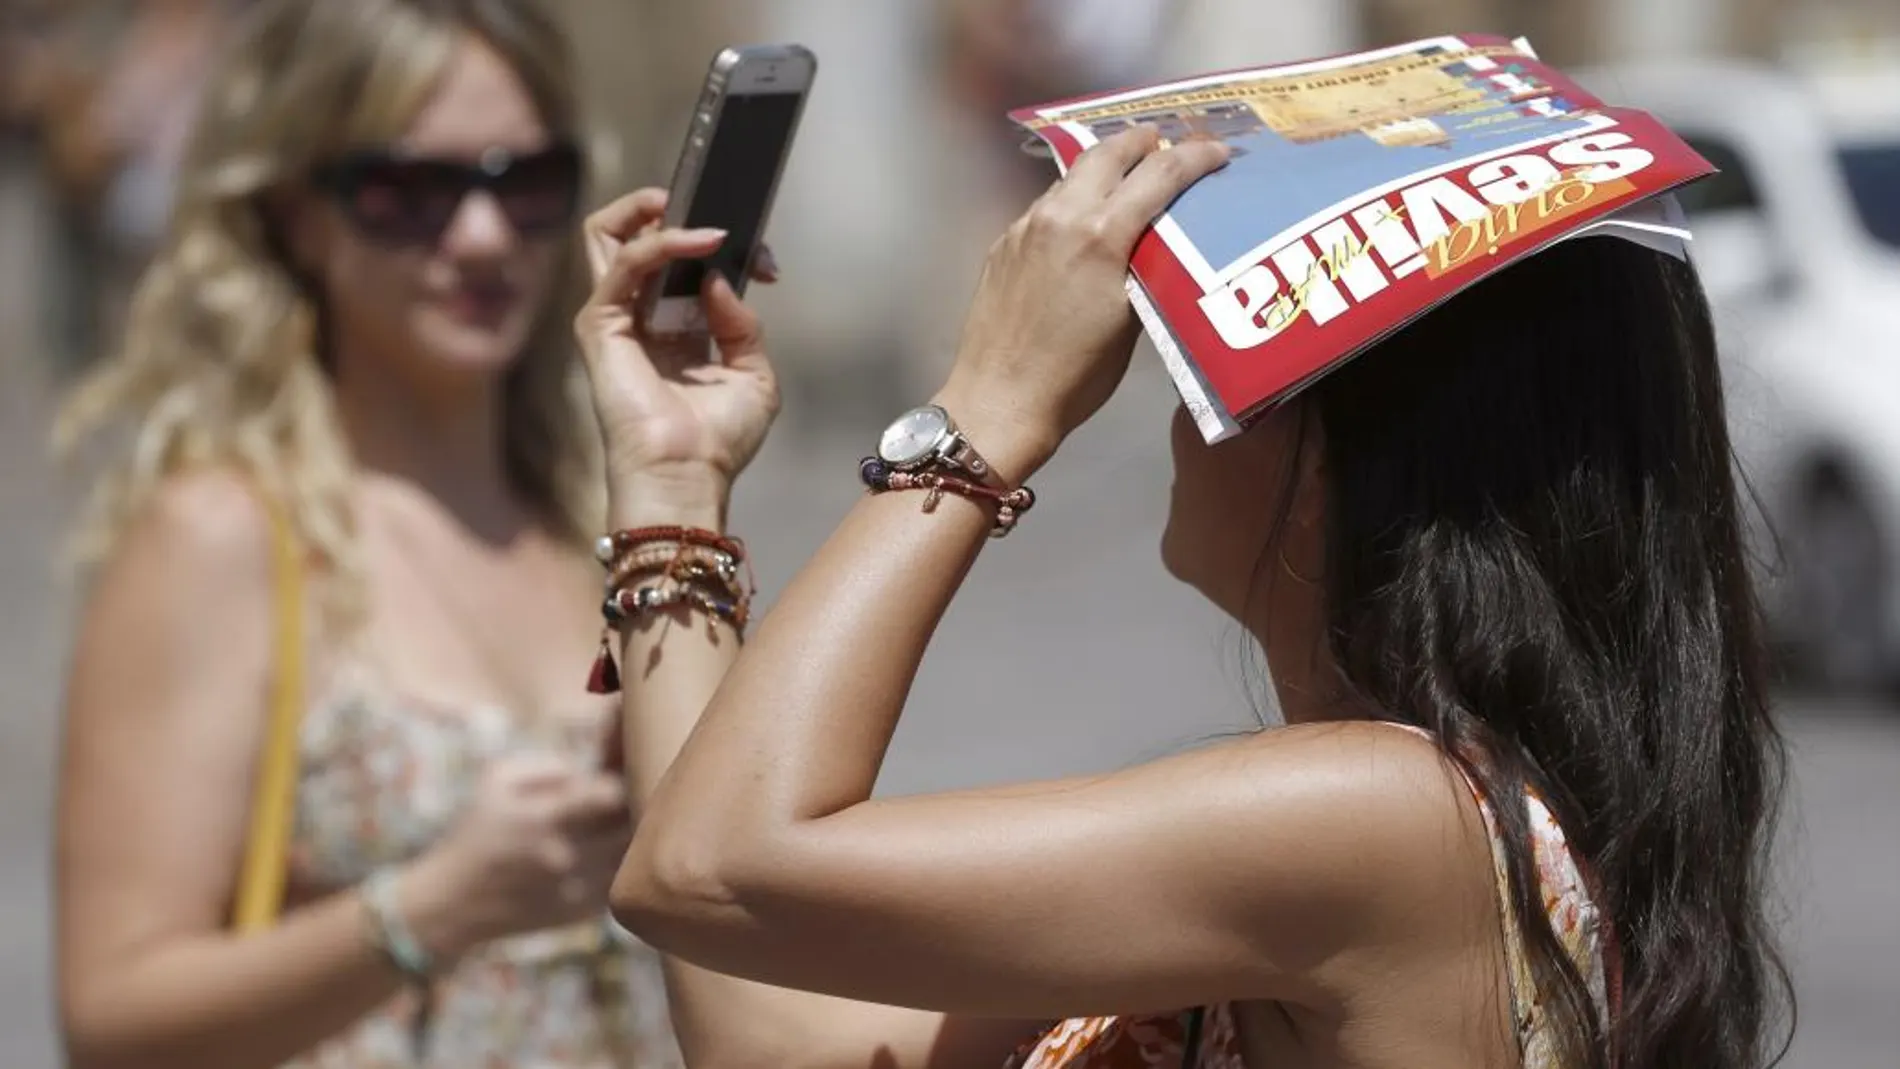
[(1516, 816)]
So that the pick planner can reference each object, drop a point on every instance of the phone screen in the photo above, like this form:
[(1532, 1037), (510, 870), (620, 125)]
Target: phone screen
[(740, 165)]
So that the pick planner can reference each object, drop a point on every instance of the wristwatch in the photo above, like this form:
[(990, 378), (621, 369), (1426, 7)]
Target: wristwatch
[(927, 435)]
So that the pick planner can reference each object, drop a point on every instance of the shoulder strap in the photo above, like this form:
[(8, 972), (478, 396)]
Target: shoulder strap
[(265, 869)]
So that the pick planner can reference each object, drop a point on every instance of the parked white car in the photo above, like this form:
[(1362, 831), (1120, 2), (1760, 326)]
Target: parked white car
[(1798, 244)]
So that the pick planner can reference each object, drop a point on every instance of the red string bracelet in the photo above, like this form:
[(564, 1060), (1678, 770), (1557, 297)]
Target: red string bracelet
[(1010, 504)]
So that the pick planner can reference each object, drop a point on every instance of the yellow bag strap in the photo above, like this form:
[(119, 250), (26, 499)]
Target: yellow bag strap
[(265, 870)]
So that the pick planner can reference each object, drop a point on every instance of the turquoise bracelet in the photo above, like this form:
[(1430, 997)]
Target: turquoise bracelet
[(389, 932)]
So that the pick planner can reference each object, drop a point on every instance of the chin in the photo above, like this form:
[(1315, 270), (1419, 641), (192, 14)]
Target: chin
[(459, 347), (1179, 558), (1182, 552), (1191, 564), (1170, 556)]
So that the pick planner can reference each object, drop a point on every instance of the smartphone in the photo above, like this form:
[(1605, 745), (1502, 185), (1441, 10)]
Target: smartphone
[(728, 172)]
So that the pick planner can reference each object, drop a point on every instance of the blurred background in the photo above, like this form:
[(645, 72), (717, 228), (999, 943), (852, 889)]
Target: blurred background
[(905, 173)]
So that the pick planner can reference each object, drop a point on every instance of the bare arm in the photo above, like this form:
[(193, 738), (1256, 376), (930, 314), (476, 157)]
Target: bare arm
[(1246, 871), (723, 1022), (1232, 872), (670, 668), (164, 720)]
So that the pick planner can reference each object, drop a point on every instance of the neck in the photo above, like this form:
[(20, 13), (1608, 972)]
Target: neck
[(1313, 697), (445, 441), (1307, 682)]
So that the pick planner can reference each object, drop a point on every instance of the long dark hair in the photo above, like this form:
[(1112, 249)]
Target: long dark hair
[(1535, 551)]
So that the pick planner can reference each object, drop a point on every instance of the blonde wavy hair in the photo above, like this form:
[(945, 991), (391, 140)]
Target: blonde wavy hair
[(220, 368)]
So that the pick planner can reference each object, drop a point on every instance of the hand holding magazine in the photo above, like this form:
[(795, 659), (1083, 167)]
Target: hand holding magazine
[(1363, 190)]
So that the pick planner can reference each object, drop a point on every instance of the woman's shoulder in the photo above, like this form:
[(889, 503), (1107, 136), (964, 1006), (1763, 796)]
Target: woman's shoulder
[(215, 513), (1375, 765), (1370, 811), (207, 532), (218, 506), (177, 623)]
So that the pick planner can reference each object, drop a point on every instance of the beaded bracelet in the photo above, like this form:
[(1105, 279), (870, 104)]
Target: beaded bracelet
[(681, 561), (1010, 504), (389, 934), (628, 603), (608, 547), (650, 569), (389, 931)]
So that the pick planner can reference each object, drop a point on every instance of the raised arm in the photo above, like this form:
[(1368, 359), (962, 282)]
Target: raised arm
[(677, 433), (1240, 871)]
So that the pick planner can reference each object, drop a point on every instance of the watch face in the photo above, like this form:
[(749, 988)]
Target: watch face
[(913, 435)]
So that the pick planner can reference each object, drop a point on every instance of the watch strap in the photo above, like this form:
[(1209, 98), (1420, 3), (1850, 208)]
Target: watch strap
[(964, 456)]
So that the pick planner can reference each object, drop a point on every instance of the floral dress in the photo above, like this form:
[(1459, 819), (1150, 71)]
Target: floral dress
[(383, 776), (1159, 1042)]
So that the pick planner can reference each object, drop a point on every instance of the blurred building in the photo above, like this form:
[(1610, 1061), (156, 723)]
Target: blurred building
[(641, 64), (1589, 31), (906, 168)]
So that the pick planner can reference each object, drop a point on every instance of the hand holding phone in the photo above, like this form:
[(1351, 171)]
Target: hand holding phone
[(728, 173)]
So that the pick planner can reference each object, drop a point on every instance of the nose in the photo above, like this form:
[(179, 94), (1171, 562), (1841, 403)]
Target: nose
[(479, 228)]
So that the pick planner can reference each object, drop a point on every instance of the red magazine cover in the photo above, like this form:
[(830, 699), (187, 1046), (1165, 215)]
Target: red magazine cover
[(1363, 190)]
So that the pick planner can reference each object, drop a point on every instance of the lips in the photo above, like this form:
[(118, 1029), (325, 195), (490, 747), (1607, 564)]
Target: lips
[(482, 302)]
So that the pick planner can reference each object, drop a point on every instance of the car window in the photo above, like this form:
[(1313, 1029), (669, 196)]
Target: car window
[(1732, 188), (1872, 171)]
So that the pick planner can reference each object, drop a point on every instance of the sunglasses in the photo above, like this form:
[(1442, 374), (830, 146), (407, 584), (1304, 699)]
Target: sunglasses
[(398, 199)]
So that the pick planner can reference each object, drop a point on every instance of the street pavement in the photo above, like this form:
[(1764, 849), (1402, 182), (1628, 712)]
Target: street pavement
[(1070, 651)]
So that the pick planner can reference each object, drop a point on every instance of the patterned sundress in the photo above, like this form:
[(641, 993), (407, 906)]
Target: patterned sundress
[(384, 774)]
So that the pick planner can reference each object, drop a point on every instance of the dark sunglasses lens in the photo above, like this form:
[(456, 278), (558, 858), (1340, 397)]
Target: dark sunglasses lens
[(414, 201), (540, 193), (400, 200)]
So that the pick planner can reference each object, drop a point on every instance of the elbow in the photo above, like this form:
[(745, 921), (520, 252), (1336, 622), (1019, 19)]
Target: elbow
[(81, 1054), (110, 1023), (95, 1038), (673, 891)]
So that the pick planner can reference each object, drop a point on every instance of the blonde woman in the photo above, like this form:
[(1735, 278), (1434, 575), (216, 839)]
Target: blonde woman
[(360, 314)]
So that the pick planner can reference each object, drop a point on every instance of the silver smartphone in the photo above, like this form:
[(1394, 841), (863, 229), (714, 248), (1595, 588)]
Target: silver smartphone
[(728, 172)]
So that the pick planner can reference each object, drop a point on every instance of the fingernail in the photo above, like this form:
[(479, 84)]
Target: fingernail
[(768, 262), (707, 233)]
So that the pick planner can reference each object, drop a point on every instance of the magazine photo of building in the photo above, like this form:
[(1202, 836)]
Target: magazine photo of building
[(1364, 189), (1298, 139)]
